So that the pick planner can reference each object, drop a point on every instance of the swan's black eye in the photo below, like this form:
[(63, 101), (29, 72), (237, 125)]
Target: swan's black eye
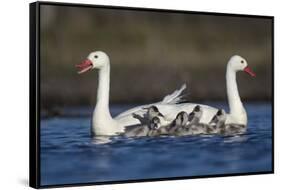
[(96, 56), (242, 61)]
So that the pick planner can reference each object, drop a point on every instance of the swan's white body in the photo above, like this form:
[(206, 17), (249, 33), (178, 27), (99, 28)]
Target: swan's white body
[(104, 124)]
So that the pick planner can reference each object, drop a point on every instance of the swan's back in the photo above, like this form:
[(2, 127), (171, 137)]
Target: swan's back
[(169, 111)]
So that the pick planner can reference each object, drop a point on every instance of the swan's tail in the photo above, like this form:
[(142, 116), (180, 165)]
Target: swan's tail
[(175, 97)]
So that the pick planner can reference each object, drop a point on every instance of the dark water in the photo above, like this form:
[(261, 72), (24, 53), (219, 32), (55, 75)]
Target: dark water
[(69, 154)]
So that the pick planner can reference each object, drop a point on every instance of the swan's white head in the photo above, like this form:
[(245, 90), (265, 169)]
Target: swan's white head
[(95, 60), (238, 63)]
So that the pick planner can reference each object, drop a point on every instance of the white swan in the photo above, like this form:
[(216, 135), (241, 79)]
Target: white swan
[(104, 124), (102, 121)]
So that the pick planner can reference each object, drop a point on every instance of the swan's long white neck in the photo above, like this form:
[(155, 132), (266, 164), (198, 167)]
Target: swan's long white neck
[(102, 104), (102, 114), (236, 109)]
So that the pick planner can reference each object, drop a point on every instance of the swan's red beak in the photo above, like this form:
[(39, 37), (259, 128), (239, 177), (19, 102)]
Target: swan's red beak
[(85, 66), (249, 71)]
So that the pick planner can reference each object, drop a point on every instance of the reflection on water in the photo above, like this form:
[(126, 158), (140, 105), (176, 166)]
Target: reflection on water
[(101, 140), (237, 138), (70, 155)]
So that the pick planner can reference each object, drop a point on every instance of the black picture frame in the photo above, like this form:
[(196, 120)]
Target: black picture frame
[(34, 96)]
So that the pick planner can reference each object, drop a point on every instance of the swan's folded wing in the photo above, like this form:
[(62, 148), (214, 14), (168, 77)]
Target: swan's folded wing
[(137, 110), (170, 99)]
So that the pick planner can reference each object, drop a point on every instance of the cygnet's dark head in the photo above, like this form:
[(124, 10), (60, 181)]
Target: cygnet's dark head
[(220, 116), (196, 114), (153, 111), (155, 123), (197, 108), (182, 118)]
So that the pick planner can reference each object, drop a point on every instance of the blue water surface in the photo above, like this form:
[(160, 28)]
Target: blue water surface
[(70, 155)]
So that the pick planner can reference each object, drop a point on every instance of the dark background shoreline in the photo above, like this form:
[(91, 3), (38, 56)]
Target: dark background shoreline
[(152, 54)]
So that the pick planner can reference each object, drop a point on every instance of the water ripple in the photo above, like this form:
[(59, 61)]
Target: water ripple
[(69, 154)]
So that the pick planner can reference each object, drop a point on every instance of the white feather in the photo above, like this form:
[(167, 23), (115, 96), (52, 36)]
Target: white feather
[(175, 96)]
